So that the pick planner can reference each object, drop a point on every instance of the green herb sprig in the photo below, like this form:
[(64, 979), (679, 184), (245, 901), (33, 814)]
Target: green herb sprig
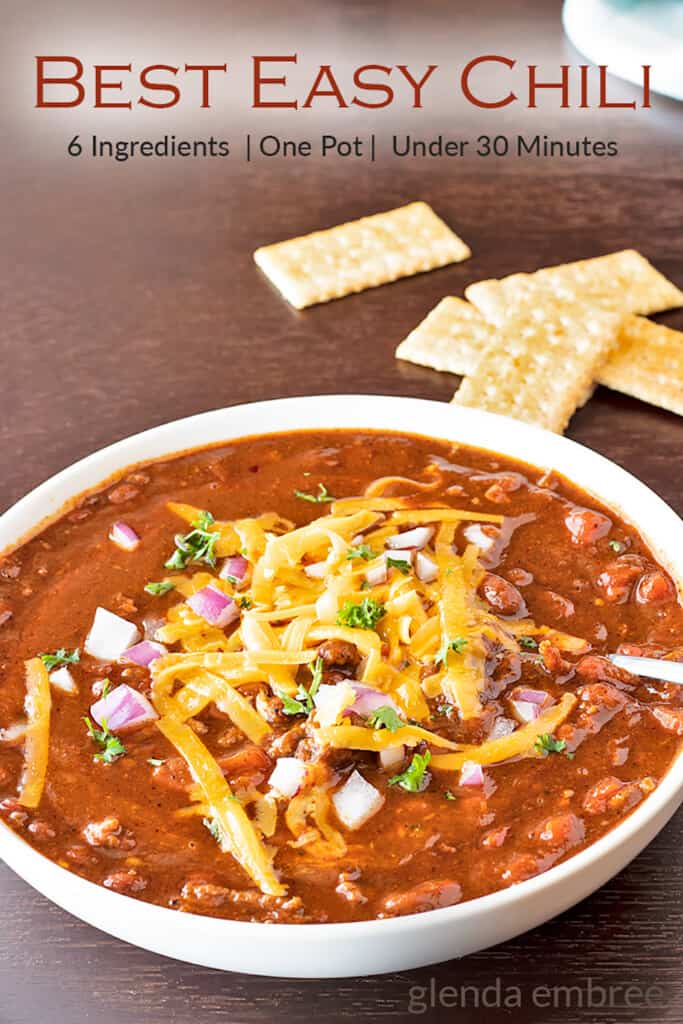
[(416, 776), (365, 615), (199, 545), (60, 657)]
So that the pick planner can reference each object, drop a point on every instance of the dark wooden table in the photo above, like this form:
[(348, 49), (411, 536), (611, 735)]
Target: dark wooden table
[(129, 298)]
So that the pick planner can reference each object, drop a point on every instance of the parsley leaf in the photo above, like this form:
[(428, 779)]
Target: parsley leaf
[(458, 645), (302, 702), (365, 615), (196, 546), (416, 777), (617, 546), (362, 551), (528, 643), (112, 747), (547, 744), (398, 563), (60, 657), (320, 498), (157, 589), (384, 717), (449, 795), (214, 828), (245, 602)]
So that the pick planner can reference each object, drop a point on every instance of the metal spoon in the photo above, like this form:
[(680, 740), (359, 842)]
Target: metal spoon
[(652, 668)]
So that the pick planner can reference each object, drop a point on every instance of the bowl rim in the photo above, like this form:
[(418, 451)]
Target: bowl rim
[(28, 862)]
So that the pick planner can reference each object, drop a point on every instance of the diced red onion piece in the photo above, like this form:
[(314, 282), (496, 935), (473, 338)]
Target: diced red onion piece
[(150, 625), (144, 653), (425, 568), (471, 774), (501, 727), (110, 636), (477, 535), (317, 570), (124, 536), (378, 574), (122, 709), (287, 776), (331, 701), (417, 538), (368, 700), (236, 567), (356, 801), (532, 696), (212, 604), (525, 710), (63, 680), (391, 757)]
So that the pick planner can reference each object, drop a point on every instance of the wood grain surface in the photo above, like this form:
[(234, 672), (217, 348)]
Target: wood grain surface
[(129, 298)]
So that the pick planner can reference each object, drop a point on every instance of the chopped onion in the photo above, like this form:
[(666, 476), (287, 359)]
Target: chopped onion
[(501, 727), (417, 538), (477, 535), (471, 774), (378, 574), (391, 757), (356, 801), (212, 604), (145, 653), (287, 776), (150, 625), (236, 567), (124, 536), (331, 701), (532, 696), (122, 709), (327, 606), (317, 570), (110, 636), (368, 700), (525, 710), (425, 568), (13, 733), (63, 680), (401, 555)]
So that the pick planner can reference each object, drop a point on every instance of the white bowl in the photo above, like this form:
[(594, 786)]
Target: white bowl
[(368, 947)]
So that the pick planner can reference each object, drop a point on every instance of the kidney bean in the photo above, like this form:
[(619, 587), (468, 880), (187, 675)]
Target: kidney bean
[(586, 527), (562, 831), (670, 719), (502, 596), (611, 794), (616, 581), (128, 882), (654, 588), (426, 896), (339, 654)]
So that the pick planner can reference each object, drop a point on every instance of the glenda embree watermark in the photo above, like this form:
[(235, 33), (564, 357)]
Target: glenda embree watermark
[(587, 994)]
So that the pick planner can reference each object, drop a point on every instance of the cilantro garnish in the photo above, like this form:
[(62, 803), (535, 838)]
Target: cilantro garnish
[(366, 585), (302, 702), (157, 589), (528, 642), (112, 747), (196, 546), (156, 762), (449, 795), (384, 717), (416, 777), (245, 602), (458, 645), (365, 615), (214, 828), (547, 744), (60, 657), (362, 551), (617, 546), (398, 563), (320, 498)]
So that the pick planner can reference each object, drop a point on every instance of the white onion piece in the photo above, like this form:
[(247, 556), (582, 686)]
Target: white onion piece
[(234, 568), (14, 733), (401, 555), (476, 535), (368, 700), (417, 538), (212, 604), (425, 569), (356, 801), (124, 536), (287, 776), (331, 702), (63, 680), (123, 709), (501, 727), (525, 710), (471, 774), (317, 570), (327, 606), (377, 575), (145, 653), (110, 636), (391, 757)]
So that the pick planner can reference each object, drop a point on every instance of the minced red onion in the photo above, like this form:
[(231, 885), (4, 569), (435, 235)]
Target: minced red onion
[(532, 696), (368, 700), (144, 653), (525, 710), (124, 536), (235, 567), (213, 605), (123, 708), (416, 538), (425, 568), (471, 774)]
